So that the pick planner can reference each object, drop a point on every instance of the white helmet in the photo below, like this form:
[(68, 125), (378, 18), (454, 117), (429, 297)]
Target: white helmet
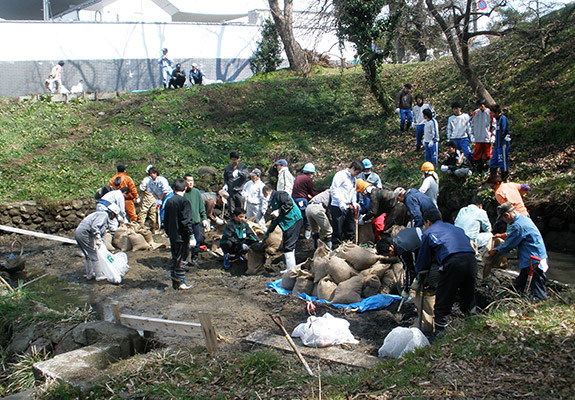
[(114, 208), (309, 168)]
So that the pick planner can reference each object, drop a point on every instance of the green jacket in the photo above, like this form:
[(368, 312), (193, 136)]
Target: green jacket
[(238, 234), (289, 214), (198, 207)]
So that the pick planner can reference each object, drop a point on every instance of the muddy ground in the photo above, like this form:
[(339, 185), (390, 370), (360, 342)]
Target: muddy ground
[(238, 304)]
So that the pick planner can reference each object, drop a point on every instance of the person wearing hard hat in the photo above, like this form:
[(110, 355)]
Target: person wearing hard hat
[(430, 185), (89, 235), (303, 191), (368, 175)]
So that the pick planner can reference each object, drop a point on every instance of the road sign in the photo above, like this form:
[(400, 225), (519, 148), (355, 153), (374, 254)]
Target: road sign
[(482, 4)]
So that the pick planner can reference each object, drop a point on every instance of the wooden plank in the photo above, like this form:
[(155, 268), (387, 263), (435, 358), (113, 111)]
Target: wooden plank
[(209, 332), (333, 353), (167, 326), (37, 234)]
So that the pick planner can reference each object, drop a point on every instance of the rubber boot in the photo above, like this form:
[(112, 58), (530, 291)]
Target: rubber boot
[(315, 238), (290, 260)]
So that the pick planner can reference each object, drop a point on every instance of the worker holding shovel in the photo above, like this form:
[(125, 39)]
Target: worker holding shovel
[(524, 235)]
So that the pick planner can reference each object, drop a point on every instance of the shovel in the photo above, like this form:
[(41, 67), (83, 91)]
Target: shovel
[(532, 267), (278, 321)]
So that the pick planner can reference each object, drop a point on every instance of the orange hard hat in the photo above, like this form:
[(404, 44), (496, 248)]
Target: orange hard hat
[(427, 166)]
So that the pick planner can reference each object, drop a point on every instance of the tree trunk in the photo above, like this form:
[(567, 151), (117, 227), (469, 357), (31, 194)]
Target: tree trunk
[(284, 24), (419, 22)]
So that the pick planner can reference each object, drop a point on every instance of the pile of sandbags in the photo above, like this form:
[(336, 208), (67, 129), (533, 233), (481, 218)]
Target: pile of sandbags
[(130, 237), (346, 275)]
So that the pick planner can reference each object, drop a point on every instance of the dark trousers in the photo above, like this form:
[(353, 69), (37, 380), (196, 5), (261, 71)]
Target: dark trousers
[(199, 235), (231, 248), (179, 255), (291, 235), (537, 287), (458, 276), (302, 204), (343, 224), (235, 200)]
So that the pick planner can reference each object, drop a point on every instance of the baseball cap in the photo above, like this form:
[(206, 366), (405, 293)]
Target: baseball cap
[(281, 162), (256, 172), (504, 208)]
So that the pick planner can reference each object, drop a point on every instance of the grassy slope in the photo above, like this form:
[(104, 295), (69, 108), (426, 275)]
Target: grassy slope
[(67, 151)]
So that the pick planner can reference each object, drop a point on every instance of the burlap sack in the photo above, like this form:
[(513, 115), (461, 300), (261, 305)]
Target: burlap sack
[(348, 291), (108, 241), (303, 283), (274, 241), (399, 276), (339, 269), (121, 240), (138, 242), (395, 229), (378, 269), (326, 288), (388, 281), (289, 277), (147, 234), (492, 262), (256, 261), (371, 286), (255, 227), (320, 257), (359, 257)]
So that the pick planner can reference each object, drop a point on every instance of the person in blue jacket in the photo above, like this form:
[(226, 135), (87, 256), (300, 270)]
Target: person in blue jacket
[(500, 153), (524, 235), (449, 247), (416, 202), (289, 219)]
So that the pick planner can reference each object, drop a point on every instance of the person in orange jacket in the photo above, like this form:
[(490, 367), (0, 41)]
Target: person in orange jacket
[(120, 180)]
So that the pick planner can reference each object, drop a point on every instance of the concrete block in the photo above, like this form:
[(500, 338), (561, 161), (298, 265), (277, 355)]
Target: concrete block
[(59, 98), (106, 95)]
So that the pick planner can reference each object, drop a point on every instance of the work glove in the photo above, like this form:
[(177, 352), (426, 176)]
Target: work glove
[(404, 295), (206, 224), (360, 220), (219, 221), (472, 139), (444, 168), (236, 173), (225, 187), (507, 138), (397, 110), (492, 253), (158, 203), (193, 241), (245, 247), (137, 201), (275, 213)]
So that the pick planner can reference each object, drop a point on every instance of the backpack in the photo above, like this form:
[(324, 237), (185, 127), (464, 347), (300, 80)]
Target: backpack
[(102, 191)]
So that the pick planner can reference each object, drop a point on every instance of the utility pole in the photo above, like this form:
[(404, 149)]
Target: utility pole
[(46, 10)]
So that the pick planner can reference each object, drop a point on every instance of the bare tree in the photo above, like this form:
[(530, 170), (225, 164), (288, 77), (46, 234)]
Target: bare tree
[(284, 24)]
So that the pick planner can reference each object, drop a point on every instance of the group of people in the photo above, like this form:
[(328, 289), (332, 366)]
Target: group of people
[(435, 253), (487, 128), (172, 74)]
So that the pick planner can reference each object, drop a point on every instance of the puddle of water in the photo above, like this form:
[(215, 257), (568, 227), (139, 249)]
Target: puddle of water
[(561, 267), (59, 294)]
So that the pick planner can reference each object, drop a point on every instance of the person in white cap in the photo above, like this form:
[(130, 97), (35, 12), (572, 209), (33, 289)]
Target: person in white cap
[(89, 235), (303, 191), (196, 76), (285, 178), (166, 68), (256, 203)]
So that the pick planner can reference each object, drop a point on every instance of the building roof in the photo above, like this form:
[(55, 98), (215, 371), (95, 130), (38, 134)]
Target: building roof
[(33, 9)]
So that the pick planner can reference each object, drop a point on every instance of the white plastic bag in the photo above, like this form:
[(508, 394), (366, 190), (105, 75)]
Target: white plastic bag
[(112, 266), (324, 331), (402, 340)]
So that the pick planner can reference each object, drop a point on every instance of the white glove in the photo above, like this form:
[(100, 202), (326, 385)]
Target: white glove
[(225, 188), (137, 201), (219, 221), (206, 224), (158, 202), (235, 173), (276, 213), (193, 241), (472, 139), (360, 221), (397, 110), (508, 138), (444, 168), (245, 247), (404, 295), (492, 139)]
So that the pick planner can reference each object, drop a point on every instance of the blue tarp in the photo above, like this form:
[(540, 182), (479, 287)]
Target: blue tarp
[(371, 303)]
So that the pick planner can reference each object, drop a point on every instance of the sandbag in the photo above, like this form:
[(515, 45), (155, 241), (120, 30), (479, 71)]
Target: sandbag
[(274, 241), (112, 266), (303, 283), (371, 286), (388, 281), (402, 340), (256, 261), (492, 262), (320, 259), (399, 275), (147, 234), (378, 269), (395, 229), (324, 331), (255, 227), (348, 292), (121, 240), (108, 241), (326, 288), (359, 257), (138, 242), (339, 269), (289, 277)]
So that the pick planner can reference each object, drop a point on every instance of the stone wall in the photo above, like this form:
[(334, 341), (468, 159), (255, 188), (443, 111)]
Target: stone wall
[(49, 218)]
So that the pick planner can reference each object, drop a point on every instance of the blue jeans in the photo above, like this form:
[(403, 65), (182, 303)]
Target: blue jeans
[(419, 134), (403, 115)]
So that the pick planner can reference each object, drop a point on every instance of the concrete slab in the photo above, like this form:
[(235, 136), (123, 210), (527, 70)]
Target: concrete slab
[(106, 95), (332, 353)]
